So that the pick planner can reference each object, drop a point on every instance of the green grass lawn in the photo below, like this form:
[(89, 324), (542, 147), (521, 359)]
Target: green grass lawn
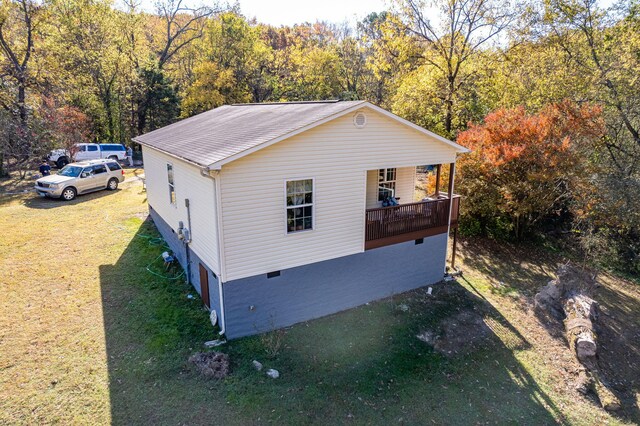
[(88, 335)]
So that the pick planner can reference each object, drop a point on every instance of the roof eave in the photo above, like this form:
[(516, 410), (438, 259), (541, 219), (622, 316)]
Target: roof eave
[(186, 160)]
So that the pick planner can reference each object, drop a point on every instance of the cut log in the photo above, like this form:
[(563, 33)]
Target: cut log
[(578, 309), (547, 301), (568, 297)]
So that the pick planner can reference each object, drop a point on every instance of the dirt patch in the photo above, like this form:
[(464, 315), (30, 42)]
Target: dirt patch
[(463, 331), (458, 335), (214, 365)]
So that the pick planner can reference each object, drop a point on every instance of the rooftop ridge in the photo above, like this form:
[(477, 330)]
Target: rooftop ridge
[(327, 101)]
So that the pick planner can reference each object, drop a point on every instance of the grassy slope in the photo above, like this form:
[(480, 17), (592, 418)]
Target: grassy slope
[(87, 335)]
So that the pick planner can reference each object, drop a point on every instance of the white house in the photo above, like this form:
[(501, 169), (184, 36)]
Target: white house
[(275, 212)]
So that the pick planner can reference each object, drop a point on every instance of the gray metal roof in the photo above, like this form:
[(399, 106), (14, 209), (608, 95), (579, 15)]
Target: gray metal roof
[(220, 133)]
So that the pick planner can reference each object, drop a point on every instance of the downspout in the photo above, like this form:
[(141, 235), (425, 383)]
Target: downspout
[(216, 182), (188, 240), (452, 172)]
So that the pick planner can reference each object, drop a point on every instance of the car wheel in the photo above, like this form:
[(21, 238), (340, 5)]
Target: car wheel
[(62, 161), (113, 184), (68, 194), (113, 157)]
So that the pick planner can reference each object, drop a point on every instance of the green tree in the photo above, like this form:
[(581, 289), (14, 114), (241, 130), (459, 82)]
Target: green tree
[(391, 53), (157, 103), (233, 65), (451, 42), (90, 43), (17, 28), (601, 46), (161, 103)]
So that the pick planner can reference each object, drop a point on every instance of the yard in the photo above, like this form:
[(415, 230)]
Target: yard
[(93, 330)]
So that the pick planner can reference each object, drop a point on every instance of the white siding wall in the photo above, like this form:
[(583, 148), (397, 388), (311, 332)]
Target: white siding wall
[(405, 186), (200, 191), (337, 155)]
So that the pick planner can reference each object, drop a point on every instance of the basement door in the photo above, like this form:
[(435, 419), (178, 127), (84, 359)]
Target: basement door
[(204, 285)]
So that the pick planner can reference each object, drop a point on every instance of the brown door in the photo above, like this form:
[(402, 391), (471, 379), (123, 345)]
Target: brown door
[(204, 285)]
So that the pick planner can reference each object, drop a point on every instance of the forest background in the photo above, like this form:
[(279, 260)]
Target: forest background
[(546, 94)]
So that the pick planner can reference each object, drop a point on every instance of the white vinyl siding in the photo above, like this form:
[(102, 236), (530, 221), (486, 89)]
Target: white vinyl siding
[(188, 183), (405, 186), (338, 156)]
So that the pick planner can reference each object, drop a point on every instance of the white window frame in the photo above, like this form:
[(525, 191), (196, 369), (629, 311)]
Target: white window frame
[(171, 181), (393, 191), (312, 205)]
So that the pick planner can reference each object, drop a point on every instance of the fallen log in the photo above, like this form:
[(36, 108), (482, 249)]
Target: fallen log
[(569, 296), (579, 311)]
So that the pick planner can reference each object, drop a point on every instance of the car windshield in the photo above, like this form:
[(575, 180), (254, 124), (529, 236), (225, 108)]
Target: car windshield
[(71, 171)]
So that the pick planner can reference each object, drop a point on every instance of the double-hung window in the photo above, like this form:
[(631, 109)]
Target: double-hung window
[(386, 183), (172, 188), (299, 205)]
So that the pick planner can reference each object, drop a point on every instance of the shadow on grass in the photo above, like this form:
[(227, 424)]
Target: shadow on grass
[(367, 364), (151, 327), (38, 202), (618, 332), (8, 198), (618, 328), (505, 263), (364, 365)]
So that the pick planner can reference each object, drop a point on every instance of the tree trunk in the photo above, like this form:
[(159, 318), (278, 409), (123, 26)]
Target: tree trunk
[(110, 124), (142, 113), (448, 118), (22, 107), (3, 172), (579, 311), (27, 147)]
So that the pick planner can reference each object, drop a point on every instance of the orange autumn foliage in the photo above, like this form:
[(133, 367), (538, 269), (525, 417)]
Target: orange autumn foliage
[(523, 167)]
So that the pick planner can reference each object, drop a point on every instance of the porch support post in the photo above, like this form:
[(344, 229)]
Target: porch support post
[(453, 251), (438, 167), (452, 172)]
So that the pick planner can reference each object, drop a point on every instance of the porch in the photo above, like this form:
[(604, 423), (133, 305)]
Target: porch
[(408, 220)]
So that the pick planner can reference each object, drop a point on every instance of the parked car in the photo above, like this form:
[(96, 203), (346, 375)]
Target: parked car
[(88, 151), (81, 178)]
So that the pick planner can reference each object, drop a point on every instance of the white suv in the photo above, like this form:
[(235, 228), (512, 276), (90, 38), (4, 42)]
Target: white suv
[(81, 178), (88, 151)]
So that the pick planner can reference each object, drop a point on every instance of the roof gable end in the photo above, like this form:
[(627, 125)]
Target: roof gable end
[(364, 104)]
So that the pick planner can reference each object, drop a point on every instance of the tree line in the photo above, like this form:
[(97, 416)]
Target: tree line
[(545, 93)]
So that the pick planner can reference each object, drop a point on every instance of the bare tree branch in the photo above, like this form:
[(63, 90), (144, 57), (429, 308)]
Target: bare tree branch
[(180, 21), (466, 25)]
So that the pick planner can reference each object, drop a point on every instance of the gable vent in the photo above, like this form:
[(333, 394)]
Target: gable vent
[(359, 120)]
